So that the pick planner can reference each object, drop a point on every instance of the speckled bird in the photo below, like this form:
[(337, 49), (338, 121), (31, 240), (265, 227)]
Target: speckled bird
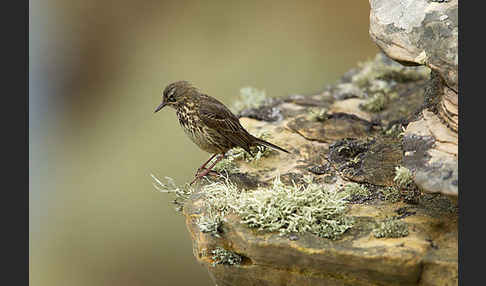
[(208, 123)]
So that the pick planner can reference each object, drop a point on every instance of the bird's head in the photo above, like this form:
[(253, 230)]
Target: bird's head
[(176, 94)]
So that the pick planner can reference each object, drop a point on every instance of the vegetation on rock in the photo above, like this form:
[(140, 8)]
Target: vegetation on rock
[(391, 228), (250, 97), (357, 191), (403, 176), (224, 256)]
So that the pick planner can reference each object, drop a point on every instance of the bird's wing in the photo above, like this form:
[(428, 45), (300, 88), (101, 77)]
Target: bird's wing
[(216, 116)]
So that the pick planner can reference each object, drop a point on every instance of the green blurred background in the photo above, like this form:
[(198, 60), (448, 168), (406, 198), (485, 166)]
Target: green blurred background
[(96, 73)]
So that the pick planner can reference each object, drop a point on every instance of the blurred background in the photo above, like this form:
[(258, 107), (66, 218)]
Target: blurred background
[(97, 69)]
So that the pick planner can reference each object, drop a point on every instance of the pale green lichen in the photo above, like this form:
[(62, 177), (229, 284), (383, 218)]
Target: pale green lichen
[(391, 228), (226, 164), (390, 194), (210, 224), (403, 177), (396, 130), (375, 103), (250, 97), (381, 69), (357, 191), (294, 209), (379, 85), (317, 114), (224, 256), (182, 193), (279, 208)]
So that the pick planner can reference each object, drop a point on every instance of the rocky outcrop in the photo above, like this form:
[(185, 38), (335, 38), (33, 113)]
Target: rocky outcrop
[(341, 209), (424, 32), (368, 195)]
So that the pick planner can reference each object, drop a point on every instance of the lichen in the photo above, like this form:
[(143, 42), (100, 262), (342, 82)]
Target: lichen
[(390, 194), (357, 191), (403, 177), (384, 69), (391, 228), (224, 256), (317, 114), (396, 130), (250, 97), (375, 103), (281, 208), (294, 209), (210, 224), (182, 193), (226, 164)]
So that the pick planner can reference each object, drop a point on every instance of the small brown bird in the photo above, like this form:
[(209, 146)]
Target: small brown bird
[(208, 123)]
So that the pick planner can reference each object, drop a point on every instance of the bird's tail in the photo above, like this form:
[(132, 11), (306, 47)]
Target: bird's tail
[(268, 144)]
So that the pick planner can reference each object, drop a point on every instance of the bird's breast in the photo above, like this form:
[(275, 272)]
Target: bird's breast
[(196, 130)]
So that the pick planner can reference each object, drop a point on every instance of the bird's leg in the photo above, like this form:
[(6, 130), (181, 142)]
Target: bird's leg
[(204, 165), (207, 170)]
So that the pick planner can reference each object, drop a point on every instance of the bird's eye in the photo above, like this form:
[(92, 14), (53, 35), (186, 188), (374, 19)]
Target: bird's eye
[(171, 99)]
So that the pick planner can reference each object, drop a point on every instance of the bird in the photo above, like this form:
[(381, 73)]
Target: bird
[(208, 123)]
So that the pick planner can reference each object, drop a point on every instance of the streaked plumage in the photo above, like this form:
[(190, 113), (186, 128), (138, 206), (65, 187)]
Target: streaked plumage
[(208, 122)]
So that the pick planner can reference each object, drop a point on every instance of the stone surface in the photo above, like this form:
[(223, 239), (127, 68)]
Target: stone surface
[(431, 153), (416, 31), (370, 161), (427, 256), (423, 32), (344, 144)]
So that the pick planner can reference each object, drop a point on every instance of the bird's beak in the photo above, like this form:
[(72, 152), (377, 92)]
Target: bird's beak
[(160, 106)]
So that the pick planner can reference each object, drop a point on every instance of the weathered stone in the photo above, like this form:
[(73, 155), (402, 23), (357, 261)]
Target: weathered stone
[(335, 127), (359, 258), (426, 33), (345, 144), (367, 161), (415, 31), (431, 152)]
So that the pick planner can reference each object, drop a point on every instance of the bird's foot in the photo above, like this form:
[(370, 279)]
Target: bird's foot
[(208, 172), (202, 171)]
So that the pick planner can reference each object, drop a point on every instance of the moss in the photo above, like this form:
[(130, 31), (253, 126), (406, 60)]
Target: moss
[(403, 177), (390, 194), (224, 256), (391, 228), (249, 98), (357, 191), (374, 103)]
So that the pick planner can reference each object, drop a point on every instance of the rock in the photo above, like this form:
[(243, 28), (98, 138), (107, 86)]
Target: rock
[(431, 153), (416, 32), (336, 126), (423, 32), (370, 161), (244, 228), (359, 258)]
